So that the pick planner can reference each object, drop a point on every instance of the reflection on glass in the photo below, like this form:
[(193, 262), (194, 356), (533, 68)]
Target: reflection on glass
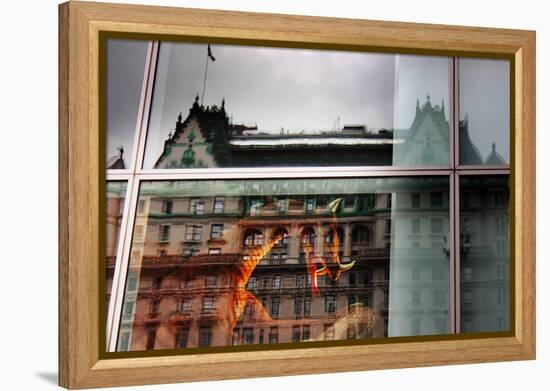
[(484, 112), (239, 106), (237, 262), (418, 236), (116, 196), (484, 254), (125, 69)]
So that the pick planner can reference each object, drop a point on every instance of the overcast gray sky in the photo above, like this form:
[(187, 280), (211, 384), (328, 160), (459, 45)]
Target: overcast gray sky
[(295, 89), (300, 89), (485, 98)]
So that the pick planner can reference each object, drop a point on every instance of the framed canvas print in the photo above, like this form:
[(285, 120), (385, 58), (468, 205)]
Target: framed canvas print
[(243, 194)]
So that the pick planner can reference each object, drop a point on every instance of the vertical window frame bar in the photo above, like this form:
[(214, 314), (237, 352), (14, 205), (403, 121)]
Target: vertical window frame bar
[(114, 312)]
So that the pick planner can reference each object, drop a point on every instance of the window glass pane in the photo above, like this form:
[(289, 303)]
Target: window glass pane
[(116, 196), (271, 268), (484, 112), (484, 254), (125, 69), (274, 107)]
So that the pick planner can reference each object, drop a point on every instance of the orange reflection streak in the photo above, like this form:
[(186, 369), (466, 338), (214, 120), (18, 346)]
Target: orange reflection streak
[(242, 296), (332, 265)]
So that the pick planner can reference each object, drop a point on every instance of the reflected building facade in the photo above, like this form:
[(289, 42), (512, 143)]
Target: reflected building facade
[(190, 283)]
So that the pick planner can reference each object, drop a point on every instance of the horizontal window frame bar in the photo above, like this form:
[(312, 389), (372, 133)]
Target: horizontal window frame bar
[(301, 172), (285, 173), (486, 172)]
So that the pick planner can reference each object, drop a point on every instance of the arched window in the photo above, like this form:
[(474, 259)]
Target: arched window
[(331, 235), (308, 237), (360, 234), (282, 235), (253, 237)]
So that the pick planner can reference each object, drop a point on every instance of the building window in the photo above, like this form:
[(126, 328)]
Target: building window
[(367, 278), (255, 206), (151, 337), (205, 336), (281, 206), (437, 226), (235, 340), (467, 273), (281, 237), (142, 205), (252, 283), (501, 299), (296, 334), (128, 310), (157, 283), (307, 306), (249, 310), (415, 200), (310, 205), (193, 233), (349, 201), (211, 281), (185, 305), (501, 272), (208, 304), (253, 238), (182, 337), (190, 251), (248, 336), (330, 304), (124, 342), (438, 274), (308, 237), (276, 282), (365, 300), (415, 226), (139, 233), (196, 206), (187, 283), (273, 335), (167, 207), (219, 205), (360, 234), (164, 233), (214, 251), (216, 231), (352, 276), (298, 307), (436, 199), (467, 299), (467, 325), (274, 309)]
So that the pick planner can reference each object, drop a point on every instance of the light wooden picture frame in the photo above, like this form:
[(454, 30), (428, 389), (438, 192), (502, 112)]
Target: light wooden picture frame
[(83, 26)]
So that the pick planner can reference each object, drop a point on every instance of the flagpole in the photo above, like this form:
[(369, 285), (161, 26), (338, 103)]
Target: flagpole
[(205, 73)]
